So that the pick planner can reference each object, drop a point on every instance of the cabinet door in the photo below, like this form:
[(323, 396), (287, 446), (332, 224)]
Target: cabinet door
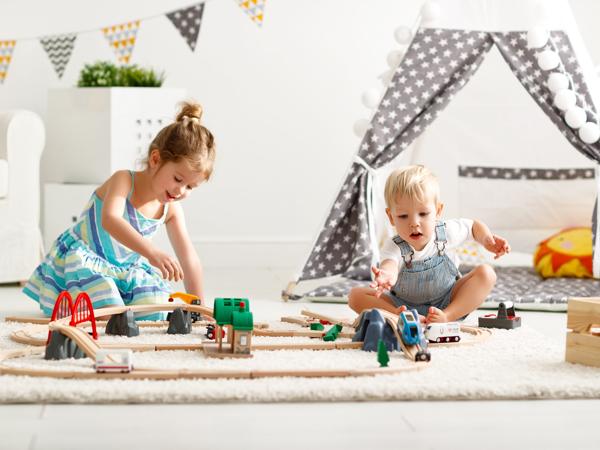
[(63, 203)]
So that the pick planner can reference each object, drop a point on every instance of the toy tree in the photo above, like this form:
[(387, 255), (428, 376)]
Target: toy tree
[(382, 354)]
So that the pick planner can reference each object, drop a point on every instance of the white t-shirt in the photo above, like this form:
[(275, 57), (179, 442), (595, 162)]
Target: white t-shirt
[(457, 232)]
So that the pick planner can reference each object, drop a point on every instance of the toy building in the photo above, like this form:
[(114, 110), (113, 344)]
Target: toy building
[(233, 314)]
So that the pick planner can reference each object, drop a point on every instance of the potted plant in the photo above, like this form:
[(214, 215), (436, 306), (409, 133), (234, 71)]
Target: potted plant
[(105, 123)]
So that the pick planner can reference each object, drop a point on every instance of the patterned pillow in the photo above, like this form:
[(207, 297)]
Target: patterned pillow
[(567, 253)]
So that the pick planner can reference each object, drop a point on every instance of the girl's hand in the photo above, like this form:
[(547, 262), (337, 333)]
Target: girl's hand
[(497, 245), (167, 264), (384, 280)]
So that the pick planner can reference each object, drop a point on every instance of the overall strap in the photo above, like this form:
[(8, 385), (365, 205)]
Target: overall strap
[(405, 249), (132, 173), (440, 237)]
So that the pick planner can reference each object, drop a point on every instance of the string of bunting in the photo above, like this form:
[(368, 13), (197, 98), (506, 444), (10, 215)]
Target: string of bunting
[(122, 37)]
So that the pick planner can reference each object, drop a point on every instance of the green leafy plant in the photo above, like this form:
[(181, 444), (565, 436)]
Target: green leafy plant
[(106, 74)]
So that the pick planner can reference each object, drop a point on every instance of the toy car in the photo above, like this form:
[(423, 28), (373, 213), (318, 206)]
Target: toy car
[(443, 332), (210, 332), (408, 327), (114, 360)]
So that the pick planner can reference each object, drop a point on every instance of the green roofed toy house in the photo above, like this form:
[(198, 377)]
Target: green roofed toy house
[(235, 314)]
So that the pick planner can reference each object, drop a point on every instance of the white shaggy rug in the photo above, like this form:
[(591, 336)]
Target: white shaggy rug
[(519, 364)]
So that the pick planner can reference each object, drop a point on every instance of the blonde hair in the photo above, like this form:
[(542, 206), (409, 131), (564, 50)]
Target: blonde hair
[(188, 139), (415, 182)]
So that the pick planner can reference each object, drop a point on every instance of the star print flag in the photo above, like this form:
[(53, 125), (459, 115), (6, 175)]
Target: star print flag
[(6, 51), (122, 39), (255, 10), (438, 63), (187, 21), (59, 49)]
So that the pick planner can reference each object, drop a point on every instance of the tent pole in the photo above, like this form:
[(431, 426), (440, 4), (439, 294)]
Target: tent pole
[(596, 250)]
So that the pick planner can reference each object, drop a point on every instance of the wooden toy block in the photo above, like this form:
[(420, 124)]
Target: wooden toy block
[(583, 323)]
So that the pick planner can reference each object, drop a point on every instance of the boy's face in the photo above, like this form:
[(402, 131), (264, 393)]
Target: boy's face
[(173, 181), (414, 220)]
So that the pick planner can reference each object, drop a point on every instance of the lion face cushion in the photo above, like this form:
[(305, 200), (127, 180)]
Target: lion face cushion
[(567, 253)]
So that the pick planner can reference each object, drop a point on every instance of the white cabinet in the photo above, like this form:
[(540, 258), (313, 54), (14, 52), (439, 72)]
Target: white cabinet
[(93, 132), (63, 203)]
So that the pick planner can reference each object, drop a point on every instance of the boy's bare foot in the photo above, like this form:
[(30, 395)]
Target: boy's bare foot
[(436, 315)]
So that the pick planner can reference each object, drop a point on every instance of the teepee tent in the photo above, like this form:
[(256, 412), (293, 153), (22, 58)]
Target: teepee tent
[(540, 45)]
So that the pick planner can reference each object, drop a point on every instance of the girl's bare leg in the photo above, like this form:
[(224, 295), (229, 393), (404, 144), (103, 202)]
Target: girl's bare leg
[(468, 293)]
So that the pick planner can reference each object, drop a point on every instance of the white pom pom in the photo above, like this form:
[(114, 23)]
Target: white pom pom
[(386, 77), (557, 81), (430, 11), (575, 117), (548, 60), (371, 97), (565, 99), (537, 37), (394, 58), (403, 35), (589, 132), (360, 127)]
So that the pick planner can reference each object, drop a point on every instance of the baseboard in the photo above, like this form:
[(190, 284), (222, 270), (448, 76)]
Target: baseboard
[(247, 252)]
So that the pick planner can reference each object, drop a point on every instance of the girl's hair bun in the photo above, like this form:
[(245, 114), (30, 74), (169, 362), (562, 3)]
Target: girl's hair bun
[(190, 110)]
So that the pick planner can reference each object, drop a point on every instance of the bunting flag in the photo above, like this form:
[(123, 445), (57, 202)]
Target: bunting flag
[(122, 39), (59, 48), (255, 9), (6, 50), (187, 21)]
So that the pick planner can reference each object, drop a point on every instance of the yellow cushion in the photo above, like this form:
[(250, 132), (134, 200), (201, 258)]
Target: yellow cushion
[(567, 253)]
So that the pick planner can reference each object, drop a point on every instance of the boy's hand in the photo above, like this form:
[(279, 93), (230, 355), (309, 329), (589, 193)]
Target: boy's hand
[(497, 245), (168, 265), (383, 281)]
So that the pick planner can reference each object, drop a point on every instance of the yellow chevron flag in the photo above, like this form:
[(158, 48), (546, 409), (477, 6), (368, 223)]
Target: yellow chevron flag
[(6, 50), (254, 8), (121, 38)]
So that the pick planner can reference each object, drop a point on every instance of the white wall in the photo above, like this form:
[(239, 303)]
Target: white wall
[(281, 100)]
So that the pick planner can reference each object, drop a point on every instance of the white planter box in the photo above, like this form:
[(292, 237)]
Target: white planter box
[(92, 132)]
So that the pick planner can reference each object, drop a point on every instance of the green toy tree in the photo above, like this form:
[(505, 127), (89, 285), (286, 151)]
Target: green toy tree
[(382, 354)]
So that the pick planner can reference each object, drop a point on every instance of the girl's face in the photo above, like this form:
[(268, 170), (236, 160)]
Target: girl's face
[(173, 181), (415, 220)]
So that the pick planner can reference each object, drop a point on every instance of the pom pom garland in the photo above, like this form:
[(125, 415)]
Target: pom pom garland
[(548, 60), (557, 81), (360, 127), (403, 35), (575, 117), (565, 99), (589, 132), (371, 97), (394, 58), (430, 11), (537, 37)]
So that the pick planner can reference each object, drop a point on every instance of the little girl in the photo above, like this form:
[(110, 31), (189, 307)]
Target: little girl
[(108, 252)]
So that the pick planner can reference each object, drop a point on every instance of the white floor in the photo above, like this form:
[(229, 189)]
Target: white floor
[(428, 425)]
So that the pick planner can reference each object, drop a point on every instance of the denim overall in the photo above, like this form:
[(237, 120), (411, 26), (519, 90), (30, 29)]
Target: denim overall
[(425, 283)]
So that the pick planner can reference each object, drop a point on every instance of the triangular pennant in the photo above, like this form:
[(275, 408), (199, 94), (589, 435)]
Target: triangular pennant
[(6, 50), (122, 39), (59, 48), (187, 21), (255, 9)]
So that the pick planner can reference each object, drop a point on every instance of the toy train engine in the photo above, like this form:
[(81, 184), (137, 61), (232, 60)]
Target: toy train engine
[(443, 332)]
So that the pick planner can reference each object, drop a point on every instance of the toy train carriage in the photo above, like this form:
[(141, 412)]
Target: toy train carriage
[(114, 360), (443, 332)]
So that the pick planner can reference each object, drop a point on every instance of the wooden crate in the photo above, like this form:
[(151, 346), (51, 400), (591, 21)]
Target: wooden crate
[(583, 340)]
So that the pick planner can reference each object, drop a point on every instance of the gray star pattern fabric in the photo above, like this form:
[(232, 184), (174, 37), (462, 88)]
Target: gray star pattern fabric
[(59, 49), (187, 21), (437, 64)]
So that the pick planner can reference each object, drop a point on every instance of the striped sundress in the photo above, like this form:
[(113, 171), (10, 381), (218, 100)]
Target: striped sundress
[(87, 258)]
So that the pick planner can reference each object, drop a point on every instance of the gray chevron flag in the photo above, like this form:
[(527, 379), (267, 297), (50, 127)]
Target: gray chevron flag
[(59, 48)]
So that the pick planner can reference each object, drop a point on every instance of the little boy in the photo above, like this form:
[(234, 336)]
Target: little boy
[(415, 270)]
